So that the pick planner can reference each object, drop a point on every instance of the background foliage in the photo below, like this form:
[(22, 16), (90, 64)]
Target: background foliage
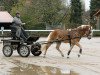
[(39, 13), (94, 7), (76, 13)]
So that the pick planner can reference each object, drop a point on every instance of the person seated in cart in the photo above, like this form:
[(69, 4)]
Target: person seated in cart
[(17, 24)]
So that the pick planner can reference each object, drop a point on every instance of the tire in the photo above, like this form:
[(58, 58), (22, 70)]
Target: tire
[(35, 49), (24, 51), (36, 53), (7, 50), (39, 45)]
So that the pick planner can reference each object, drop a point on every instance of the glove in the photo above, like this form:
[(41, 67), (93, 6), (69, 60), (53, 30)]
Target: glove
[(23, 23)]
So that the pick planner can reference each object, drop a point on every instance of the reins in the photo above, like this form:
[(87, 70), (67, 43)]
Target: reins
[(58, 41), (61, 40)]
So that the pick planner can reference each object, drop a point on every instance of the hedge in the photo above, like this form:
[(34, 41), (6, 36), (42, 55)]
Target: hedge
[(41, 34)]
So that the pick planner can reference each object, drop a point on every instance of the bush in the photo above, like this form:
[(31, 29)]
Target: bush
[(40, 26), (96, 33), (40, 34)]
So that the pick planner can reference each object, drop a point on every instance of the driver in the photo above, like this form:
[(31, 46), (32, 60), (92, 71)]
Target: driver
[(17, 23)]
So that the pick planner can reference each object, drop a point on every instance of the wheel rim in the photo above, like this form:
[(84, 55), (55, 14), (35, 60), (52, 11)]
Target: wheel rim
[(24, 50), (7, 50)]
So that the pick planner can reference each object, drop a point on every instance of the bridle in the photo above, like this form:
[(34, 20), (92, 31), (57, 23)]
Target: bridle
[(89, 35)]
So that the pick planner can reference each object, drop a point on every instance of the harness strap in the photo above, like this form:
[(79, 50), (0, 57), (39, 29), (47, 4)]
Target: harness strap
[(58, 41), (69, 37)]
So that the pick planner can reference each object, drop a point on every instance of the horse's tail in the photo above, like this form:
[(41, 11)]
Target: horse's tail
[(48, 38)]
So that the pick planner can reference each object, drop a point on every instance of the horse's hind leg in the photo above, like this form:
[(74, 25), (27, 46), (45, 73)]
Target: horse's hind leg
[(70, 50), (80, 51), (47, 46), (57, 47)]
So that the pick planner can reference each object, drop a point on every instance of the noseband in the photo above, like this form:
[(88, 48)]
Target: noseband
[(89, 33)]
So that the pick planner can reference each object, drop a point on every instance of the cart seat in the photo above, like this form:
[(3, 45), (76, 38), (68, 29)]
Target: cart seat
[(34, 38), (31, 39), (13, 33)]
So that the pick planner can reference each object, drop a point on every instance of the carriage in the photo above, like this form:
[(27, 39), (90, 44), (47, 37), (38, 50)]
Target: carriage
[(23, 48), (14, 43)]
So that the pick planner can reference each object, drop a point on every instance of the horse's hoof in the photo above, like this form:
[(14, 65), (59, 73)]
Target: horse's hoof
[(78, 55), (62, 55), (68, 57), (44, 56)]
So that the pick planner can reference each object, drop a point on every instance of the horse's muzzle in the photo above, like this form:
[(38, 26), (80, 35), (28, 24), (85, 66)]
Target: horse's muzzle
[(89, 37)]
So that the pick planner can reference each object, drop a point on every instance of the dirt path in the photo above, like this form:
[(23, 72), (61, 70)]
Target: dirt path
[(87, 64)]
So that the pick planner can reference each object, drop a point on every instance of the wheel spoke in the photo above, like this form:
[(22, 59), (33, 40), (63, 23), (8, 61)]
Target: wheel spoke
[(24, 51), (7, 50)]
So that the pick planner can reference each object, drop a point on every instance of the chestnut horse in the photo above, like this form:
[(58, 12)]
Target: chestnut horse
[(63, 35)]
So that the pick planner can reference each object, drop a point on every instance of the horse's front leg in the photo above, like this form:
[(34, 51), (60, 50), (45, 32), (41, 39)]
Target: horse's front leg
[(80, 51), (57, 47), (70, 50), (47, 46)]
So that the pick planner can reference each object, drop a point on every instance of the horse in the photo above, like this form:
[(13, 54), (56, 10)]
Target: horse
[(71, 36)]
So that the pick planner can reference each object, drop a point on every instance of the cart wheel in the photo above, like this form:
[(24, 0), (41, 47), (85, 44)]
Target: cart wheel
[(37, 53), (35, 50), (24, 51), (7, 50)]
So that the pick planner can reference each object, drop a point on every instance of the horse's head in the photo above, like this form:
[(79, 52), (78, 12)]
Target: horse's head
[(87, 29)]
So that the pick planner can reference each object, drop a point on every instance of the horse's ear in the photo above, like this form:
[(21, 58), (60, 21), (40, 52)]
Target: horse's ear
[(91, 27)]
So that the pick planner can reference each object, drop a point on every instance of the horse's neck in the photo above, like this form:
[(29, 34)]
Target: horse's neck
[(81, 32)]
